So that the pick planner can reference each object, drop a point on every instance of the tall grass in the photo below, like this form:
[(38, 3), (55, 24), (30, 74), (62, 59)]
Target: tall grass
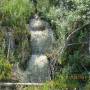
[(15, 12)]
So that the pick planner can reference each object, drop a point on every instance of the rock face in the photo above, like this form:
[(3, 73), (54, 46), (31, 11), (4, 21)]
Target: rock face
[(41, 41)]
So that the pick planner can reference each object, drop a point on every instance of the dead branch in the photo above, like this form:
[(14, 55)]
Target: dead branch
[(70, 36)]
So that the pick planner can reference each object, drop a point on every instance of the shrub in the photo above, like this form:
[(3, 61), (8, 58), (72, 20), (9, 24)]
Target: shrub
[(5, 69), (15, 12)]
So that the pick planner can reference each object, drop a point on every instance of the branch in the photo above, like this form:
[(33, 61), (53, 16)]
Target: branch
[(74, 32), (77, 43)]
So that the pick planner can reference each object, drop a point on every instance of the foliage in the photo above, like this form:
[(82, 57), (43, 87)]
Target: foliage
[(5, 66), (87, 87), (14, 15), (5, 69), (34, 88), (69, 16), (64, 81), (15, 12), (64, 16), (22, 40)]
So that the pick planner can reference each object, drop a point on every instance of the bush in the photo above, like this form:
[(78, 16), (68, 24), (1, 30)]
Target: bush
[(5, 69), (87, 87), (15, 12)]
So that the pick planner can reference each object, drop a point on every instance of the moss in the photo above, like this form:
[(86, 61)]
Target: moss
[(5, 69)]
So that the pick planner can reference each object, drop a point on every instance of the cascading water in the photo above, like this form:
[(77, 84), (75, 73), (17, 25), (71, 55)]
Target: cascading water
[(41, 41)]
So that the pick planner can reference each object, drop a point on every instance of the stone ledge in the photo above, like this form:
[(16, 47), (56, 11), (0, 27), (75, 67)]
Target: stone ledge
[(9, 84)]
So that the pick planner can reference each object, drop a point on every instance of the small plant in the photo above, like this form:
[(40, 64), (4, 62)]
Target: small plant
[(87, 87), (15, 12), (5, 69)]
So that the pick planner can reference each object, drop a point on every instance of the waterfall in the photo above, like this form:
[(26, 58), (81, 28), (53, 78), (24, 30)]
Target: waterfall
[(41, 41)]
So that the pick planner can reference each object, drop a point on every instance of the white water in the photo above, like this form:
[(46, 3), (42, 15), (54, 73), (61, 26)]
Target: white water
[(38, 69), (41, 41)]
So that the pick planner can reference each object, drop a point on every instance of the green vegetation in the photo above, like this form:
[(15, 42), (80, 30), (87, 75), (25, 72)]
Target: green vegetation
[(15, 13), (5, 69), (65, 17)]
